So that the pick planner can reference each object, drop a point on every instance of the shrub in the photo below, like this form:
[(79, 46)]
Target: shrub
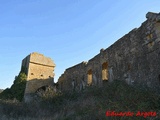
[(17, 89)]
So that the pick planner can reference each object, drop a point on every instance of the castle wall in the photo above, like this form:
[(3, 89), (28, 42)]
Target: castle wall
[(39, 70), (73, 78), (134, 58), (38, 76)]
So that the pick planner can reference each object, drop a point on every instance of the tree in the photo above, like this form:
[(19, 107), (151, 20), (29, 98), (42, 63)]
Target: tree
[(17, 89)]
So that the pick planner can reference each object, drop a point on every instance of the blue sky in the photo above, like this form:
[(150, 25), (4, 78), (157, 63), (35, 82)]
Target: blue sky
[(68, 31)]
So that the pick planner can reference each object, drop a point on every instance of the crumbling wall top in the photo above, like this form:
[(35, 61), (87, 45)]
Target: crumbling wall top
[(77, 65), (41, 59)]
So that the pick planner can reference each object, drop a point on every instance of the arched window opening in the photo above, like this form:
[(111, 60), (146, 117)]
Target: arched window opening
[(105, 71), (89, 77)]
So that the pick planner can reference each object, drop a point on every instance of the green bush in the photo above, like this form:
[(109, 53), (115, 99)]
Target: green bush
[(17, 89), (6, 94)]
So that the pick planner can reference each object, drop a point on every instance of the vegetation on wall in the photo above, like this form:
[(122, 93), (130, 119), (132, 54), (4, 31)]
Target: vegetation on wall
[(17, 89)]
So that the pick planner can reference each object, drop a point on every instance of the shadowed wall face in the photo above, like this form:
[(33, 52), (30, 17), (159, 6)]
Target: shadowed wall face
[(39, 70)]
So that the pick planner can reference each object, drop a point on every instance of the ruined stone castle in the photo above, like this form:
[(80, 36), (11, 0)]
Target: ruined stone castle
[(134, 58), (40, 72)]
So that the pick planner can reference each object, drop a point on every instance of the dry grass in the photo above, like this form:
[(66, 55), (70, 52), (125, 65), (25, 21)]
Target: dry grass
[(90, 104)]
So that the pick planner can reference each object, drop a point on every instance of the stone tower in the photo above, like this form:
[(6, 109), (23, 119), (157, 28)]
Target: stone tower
[(40, 72)]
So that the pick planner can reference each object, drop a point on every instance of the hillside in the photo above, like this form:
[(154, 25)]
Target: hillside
[(89, 104)]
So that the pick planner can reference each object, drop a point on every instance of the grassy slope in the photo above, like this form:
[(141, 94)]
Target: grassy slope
[(90, 104)]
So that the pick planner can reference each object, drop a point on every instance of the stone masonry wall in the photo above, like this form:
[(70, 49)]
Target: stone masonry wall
[(134, 58)]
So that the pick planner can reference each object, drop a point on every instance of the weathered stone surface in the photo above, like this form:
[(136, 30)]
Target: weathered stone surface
[(39, 70), (134, 58), (153, 16)]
